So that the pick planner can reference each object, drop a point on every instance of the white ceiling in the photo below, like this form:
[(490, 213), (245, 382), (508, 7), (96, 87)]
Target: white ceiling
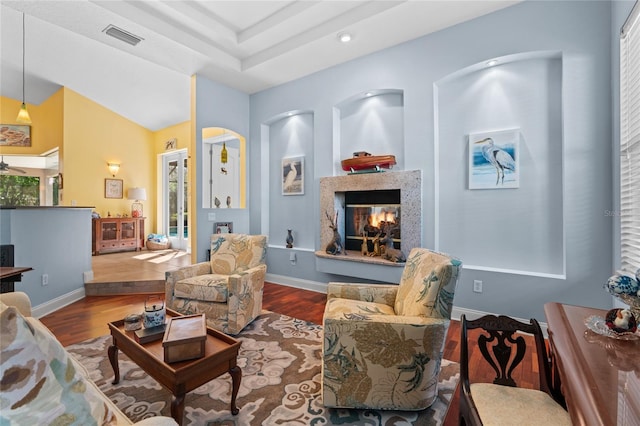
[(247, 45)]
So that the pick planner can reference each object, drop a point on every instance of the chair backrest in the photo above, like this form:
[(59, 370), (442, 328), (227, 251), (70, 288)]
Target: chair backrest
[(233, 253), (427, 285), (503, 347)]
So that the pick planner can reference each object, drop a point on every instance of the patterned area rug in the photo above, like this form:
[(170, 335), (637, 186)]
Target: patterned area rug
[(280, 358)]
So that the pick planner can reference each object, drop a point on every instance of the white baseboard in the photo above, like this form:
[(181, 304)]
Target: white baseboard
[(57, 303), (297, 283)]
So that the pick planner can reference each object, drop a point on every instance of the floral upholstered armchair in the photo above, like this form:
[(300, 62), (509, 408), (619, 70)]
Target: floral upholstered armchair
[(383, 344), (228, 288)]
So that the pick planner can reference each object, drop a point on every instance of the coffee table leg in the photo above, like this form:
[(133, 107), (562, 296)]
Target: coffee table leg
[(236, 377), (113, 358), (177, 408)]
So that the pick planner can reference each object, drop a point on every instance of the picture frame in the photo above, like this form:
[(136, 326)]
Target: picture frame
[(15, 135), (494, 159), (113, 188), (223, 228), (292, 175), (171, 144)]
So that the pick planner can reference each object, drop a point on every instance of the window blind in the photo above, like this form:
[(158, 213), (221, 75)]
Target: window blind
[(630, 142)]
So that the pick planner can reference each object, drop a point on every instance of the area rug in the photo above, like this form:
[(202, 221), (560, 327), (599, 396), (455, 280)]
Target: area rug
[(280, 358)]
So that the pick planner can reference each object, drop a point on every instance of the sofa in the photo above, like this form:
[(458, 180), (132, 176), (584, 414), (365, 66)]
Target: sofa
[(41, 382)]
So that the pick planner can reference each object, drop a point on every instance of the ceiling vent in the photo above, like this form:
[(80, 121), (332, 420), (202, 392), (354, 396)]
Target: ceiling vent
[(122, 35)]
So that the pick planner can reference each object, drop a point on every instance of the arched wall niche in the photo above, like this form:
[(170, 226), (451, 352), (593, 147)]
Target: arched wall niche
[(288, 138), (223, 179), (517, 230), (371, 121)]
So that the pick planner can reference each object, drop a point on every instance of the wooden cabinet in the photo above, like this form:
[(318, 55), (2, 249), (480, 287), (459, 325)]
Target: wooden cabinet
[(113, 234)]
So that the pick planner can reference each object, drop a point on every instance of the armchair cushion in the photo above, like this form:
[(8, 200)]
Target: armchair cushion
[(233, 253), (427, 285), (207, 288), (343, 308)]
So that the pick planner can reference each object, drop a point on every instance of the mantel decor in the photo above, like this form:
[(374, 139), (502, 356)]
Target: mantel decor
[(113, 188)]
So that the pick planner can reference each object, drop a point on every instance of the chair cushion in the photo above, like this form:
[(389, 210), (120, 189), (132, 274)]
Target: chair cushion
[(505, 405), (234, 253), (206, 288), (344, 307), (427, 285)]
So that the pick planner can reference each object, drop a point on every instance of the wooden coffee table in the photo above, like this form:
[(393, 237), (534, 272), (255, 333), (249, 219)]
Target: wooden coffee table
[(221, 352)]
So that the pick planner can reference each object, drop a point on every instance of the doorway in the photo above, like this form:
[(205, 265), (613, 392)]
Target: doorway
[(174, 198)]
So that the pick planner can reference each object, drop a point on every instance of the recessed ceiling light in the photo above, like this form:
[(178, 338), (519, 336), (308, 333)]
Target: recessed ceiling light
[(492, 62), (344, 37)]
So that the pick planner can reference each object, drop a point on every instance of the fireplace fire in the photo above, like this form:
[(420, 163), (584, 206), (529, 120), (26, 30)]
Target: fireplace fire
[(372, 215)]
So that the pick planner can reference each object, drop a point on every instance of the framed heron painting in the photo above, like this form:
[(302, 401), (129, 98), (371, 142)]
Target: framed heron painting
[(494, 160), (293, 176)]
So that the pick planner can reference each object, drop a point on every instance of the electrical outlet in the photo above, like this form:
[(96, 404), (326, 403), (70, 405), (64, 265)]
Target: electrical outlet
[(292, 258), (477, 286), (45, 279), (211, 217)]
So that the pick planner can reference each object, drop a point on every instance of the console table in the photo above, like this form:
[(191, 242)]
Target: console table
[(599, 376), (111, 234)]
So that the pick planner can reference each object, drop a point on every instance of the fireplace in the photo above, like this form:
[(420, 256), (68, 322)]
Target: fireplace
[(371, 215), (349, 199)]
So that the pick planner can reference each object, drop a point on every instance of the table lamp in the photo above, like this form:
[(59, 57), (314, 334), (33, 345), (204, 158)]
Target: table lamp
[(137, 194)]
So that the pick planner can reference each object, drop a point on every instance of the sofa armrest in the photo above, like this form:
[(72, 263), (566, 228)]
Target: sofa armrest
[(18, 299), (172, 277), (378, 293), (245, 297)]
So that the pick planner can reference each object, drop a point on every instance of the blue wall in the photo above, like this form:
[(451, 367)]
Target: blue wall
[(581, 33)]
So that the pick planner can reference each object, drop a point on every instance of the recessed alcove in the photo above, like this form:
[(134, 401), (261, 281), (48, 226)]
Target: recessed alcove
[(371, 121), (332, 193)]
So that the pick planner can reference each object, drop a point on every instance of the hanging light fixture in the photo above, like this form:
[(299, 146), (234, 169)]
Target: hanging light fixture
[(223, 154), (23, 114)]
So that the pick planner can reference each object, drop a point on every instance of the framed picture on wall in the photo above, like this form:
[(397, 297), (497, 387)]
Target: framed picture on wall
[(112, 188), (15, 135), (292, 174), (494, 160), (223, 228)]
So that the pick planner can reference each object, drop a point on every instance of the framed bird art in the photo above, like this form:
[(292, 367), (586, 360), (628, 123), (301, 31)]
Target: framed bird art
[(293, 175), (494, 160)]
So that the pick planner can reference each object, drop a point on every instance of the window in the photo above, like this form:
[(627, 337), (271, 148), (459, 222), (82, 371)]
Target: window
[(630, 142), (19, 190)]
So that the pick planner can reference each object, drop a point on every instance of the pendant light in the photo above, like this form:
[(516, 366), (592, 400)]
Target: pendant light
[(223, 153), (23, 114)]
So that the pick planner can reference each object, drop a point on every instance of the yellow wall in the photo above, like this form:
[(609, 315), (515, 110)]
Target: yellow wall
[(89, 136), (181, 131), (46, 129), (95, 136)]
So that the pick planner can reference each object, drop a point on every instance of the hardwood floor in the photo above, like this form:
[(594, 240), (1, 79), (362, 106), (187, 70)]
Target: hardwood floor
[(88, 318)]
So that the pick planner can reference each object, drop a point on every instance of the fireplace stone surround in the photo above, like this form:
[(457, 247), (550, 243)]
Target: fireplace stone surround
[(332, 193)]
